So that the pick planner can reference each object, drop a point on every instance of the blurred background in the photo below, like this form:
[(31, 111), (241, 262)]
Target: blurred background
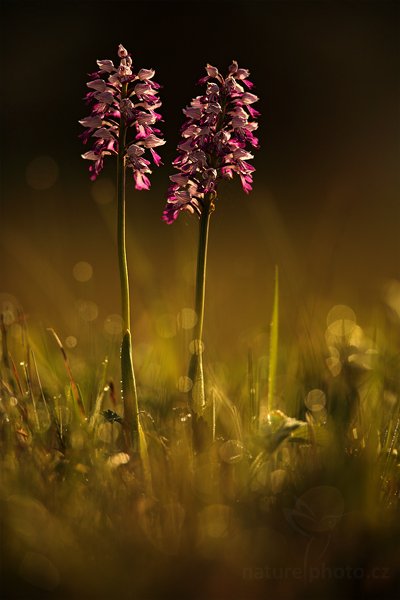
[(325, 206)]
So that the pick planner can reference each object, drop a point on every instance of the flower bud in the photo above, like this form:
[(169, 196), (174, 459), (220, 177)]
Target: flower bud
[(122, 52)]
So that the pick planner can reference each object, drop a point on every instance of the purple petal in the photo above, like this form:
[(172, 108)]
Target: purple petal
[(98, 84), (156, 157), (141, 181), (106, 65), (145, 74)]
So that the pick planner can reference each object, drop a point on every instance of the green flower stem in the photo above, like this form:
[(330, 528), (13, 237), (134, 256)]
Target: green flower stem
[(123, 264), (131, 409), (196, 373), (129, 392)]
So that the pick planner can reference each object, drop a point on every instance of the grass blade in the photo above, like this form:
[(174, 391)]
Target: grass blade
[(273, 352), (74, 388)]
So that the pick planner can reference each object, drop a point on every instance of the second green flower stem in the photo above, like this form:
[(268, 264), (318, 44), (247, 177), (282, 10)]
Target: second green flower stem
[(196, 373), (128, 382)]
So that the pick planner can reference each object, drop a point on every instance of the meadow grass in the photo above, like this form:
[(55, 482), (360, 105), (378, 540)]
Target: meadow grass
[(302, 502)]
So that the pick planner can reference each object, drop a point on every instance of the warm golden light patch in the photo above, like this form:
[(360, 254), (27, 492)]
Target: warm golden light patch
[(392, 295), (113, 324), (185, 384), (166, 326), (196, 347), (315, 400), (187, 318), (42, 173), (82, 271), (103, 190), (87, 310), (71, 341)]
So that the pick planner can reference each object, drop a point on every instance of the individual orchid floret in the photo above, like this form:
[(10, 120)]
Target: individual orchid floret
[(216, 138), (123, 113)]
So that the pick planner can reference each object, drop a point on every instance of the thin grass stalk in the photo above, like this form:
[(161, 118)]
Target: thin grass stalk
[(76, 393), (6, 359), (273, 344), (30, 392), (39, 382), (5, 356), (267, 405), (214, 416), (100, 395), (251, 390)]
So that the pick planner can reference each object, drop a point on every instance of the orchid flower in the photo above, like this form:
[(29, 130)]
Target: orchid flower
[(123, 122), (217, 143), (217, 139), (123, 105)]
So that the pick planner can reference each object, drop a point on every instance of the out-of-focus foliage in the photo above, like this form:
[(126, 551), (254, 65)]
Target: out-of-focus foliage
[(312, 487)]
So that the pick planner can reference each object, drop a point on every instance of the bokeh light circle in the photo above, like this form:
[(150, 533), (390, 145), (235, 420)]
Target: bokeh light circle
[(82, 271), (42, 173), (113, 324), (315, 400)]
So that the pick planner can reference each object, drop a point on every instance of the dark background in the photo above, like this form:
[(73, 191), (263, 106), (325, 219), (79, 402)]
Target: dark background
[(325, 204)]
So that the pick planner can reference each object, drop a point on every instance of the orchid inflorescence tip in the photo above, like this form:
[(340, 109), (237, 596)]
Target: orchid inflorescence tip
[(123, 101), (216, 138)]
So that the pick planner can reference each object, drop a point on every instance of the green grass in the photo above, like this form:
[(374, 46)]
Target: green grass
[(303, 504)]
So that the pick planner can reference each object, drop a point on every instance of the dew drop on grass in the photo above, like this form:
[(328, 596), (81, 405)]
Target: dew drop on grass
[(82, 271), (185, 418), (231, 452), (187, 318), (103, 190), (113, 324), (42, 173), (315, 400), (185, 384), (13, 401)]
